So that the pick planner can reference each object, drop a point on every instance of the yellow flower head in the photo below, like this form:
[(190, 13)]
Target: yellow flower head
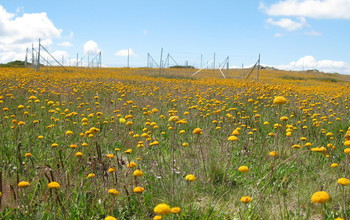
[(110, 218), (284, 118), (243, 169), (343, 181), (21, 123), (138, 173), (175, 210), (128, 151), (94, 130), (246, 199), (197, 131), (296, 146), (174, 118), (131, 165), (28, 155), (162, 209), (113, 191), (191, 178), (129, 123), (235, 132), (110, 156), (157, 217), (308, 144), (232, 138), (334, 165), (69, 132), (23, 184), (122, 120), (320, 197), (154, 143), (53, 185), (138, 189), (78, 154), (280, 100), (90, 175), (111, 170), (347, 150), (273, 154)]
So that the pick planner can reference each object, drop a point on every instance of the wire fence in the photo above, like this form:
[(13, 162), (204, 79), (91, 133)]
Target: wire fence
[(215, 63)]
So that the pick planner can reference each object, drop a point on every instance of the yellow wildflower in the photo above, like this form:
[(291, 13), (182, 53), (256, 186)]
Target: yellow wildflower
[(162, 209), (190, 177), (280, 100), (320, 197), (197, 131), (343, 181), (175, 210), (138, 173), (23, 184), (246, 199), (53, 185), (113, 191), (243, 169), (138, 189)]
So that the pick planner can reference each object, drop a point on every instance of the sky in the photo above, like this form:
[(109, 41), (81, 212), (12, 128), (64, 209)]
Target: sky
[(288, 34)]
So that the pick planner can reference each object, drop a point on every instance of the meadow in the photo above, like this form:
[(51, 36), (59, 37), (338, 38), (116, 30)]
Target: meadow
[(139, 144)]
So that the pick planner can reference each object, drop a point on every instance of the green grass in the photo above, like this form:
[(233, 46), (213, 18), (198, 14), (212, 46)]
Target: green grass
[(280, 187)]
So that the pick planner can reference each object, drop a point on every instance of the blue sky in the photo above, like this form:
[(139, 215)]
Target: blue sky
[(289, 34)]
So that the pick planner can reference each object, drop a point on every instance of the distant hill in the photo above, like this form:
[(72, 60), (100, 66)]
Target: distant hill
[(182, 67), (16, 63)]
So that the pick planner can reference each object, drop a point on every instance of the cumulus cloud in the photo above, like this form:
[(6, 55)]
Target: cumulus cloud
[(321, 9), (58, 54), (310, 62), (288, 24), (125, 52), (19, 32), (91, 47)]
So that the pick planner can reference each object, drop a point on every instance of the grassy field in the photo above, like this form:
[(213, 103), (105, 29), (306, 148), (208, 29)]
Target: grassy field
[(137, 144)]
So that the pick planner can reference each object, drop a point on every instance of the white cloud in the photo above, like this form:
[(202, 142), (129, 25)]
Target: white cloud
[(288, 24), (91, 47), (59, 53), (322, 9), (65, 44), (310, 62), (125, 52), (19, 32)]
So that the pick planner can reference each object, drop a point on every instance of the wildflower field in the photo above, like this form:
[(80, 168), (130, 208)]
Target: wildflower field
[(138, 144)]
